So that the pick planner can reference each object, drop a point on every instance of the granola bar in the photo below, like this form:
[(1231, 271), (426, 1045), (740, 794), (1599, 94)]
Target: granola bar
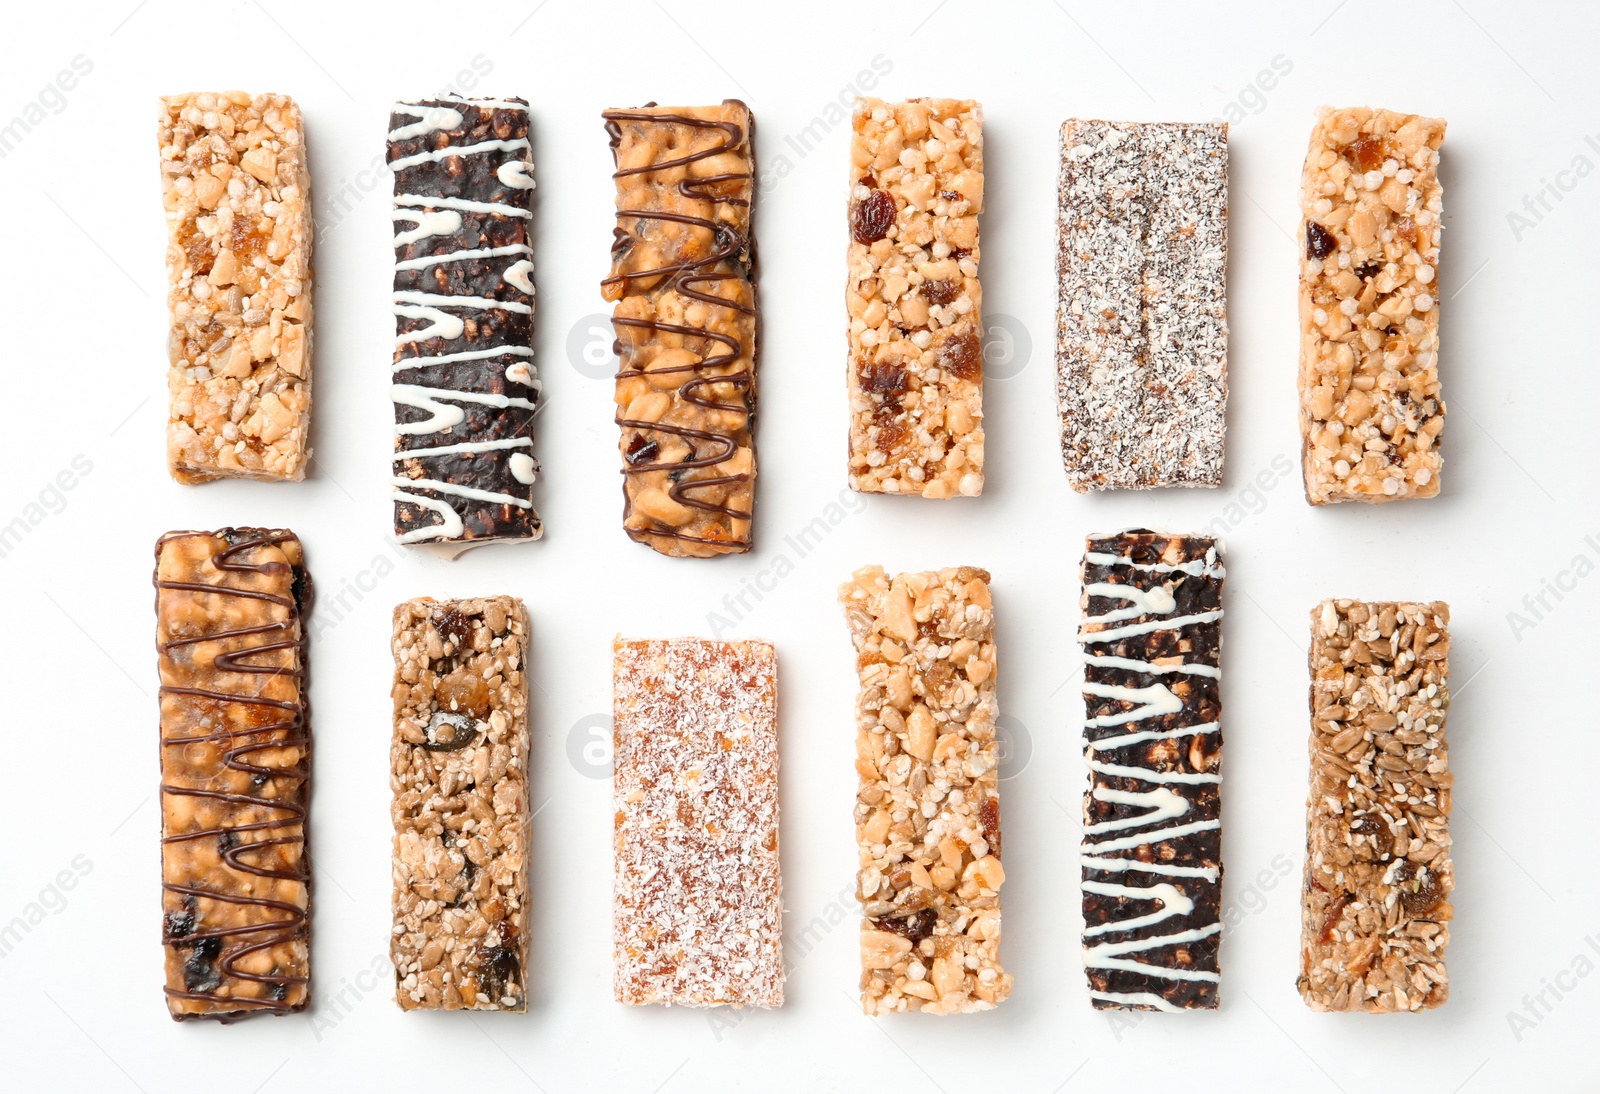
[(459, 772), (697, 906), (916, 335), (1142, 322), (1375, 913), (1370, 408), (238, 200), (235, 772), (464, 388), (683, 270), (928, 809), (1151, 634)]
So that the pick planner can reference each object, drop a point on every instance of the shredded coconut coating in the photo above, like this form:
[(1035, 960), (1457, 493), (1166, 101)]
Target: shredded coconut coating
[(698, 906), (1376, 909), (916, 335), (237, 193), (1142, 339), (1370, 407), (928, 809)]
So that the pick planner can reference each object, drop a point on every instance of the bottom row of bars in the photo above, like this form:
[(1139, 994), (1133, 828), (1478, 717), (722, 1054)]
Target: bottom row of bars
[(697, 903)]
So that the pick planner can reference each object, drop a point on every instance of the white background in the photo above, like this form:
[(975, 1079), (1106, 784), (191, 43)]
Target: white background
[(80, 991)]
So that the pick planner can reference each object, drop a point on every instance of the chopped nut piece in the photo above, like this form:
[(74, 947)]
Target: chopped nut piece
[(1375, 912)]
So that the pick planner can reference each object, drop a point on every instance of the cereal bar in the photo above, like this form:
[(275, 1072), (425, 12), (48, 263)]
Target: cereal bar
[(238, 200), (1376, 910), (916, 333), (697, 913), (235, 772), (683, 270), (1142, 321), (1151, 634), (1370, 408), (459, 772), (928, 808), (464, 387)]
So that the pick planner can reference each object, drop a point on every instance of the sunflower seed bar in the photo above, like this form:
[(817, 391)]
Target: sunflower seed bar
[(916, 335), (928, 808), (459, 772), (238, 199), (697, 903), (464, 387), (1370, 408), (683, 269), (1376, 911), (235, 772), (1152, 818), (1142, 321)]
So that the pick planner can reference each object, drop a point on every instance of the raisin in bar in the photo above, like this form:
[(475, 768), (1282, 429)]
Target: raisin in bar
[(238, 199), (1151, 634), (697, 903), (916, 336), (235, 772), (1142, 319), (928, 807), (1370, 408), (683, 269), (1375, 913), (464, 386), (459, 772)]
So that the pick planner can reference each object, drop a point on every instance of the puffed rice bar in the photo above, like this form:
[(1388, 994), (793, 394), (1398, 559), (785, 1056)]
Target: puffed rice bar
[(1376, 910), (928, 808), (916, 332), (459, 773), (1370, 407), (237, 193)]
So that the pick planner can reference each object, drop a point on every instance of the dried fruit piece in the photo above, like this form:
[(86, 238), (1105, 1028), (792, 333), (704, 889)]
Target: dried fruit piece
[(962, 356), (1320, 243), (872, 217)]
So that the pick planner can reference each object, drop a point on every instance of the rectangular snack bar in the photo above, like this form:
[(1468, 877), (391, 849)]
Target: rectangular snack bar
[(1151, 634), (683, 270), (1376, 911), (235, 772), (697, 914), (459, 772), (916, 332), (1370, 408), (464, 389), (1142, 321), (928, 808), (237, 193)]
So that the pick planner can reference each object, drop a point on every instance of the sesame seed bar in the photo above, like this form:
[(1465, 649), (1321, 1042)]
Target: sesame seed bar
[(1151, 634), (928, 808), (1370, 408), (235, 772), (697, 911), (1375, 913), (464, 387), (1142, 319), (237, 193), (916, 332), (459, 772), (683, 272)]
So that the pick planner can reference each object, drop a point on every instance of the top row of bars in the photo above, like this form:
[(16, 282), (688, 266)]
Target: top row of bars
[(1142, 316)]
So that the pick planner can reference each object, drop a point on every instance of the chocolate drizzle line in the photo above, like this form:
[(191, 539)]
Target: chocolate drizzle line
[(684, 277), (290, 731)]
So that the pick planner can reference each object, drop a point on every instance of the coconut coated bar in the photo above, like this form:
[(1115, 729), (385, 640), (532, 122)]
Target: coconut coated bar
[(235, 772), (928, 807), (1142, 323), (915, 370), (459, 772), (697, 912), (1376, 911), (237, 194), (1151, 634)]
